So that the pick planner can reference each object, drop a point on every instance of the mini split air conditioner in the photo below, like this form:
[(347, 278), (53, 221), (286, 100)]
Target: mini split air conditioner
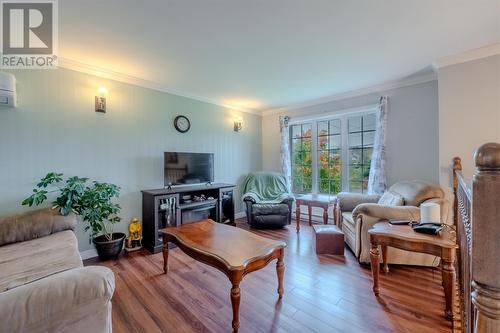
[(8, 90)]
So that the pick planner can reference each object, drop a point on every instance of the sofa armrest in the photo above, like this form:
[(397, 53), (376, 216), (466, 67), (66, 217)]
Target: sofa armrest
[(347, 201), (387, 212), (50, 302), (249, 199), (34, 224)]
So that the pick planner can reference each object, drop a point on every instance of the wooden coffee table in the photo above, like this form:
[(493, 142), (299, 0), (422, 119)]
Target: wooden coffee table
[(315, 200), (403, 237), (235, 252)]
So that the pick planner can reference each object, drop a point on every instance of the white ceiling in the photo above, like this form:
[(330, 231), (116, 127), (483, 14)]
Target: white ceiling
[(261, 54)]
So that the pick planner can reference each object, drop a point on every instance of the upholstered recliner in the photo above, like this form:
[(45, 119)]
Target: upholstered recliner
[(359, 212), (267, 200), (43, 284)]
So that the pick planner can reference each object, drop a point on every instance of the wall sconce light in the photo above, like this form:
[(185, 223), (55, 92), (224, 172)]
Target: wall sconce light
[(238, 124), (100, 100)]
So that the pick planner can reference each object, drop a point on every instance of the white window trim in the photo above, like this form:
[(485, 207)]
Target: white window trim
[(327, 115), (342, 114)]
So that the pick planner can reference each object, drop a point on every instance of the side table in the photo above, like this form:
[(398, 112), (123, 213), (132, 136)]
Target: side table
[(403, 237), (315, 200)]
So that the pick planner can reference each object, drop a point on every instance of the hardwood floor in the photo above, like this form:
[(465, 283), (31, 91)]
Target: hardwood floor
[(323, 293)]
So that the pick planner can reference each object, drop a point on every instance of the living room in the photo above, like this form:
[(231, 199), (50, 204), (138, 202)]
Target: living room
[(251, 166)]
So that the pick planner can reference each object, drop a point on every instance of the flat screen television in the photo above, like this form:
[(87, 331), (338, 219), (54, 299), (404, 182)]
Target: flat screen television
[(188, 168)]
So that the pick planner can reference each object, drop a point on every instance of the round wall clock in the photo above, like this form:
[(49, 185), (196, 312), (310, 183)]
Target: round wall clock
[(182, 124)]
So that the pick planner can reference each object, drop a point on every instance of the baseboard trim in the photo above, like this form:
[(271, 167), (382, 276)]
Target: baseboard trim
[(92, 253), (303, 216), (88, 254), (240, 215), (314, 217)]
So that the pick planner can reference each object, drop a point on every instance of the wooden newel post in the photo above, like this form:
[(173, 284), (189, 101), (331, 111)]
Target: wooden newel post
[(486, 238)]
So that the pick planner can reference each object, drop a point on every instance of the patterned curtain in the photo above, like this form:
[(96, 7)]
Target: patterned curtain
[(286, 164), (377, 182)]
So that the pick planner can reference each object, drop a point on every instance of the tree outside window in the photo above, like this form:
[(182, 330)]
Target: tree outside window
[(301, 158), (329, 156)]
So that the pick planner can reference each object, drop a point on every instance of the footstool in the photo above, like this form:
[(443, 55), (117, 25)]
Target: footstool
[(329, 239)]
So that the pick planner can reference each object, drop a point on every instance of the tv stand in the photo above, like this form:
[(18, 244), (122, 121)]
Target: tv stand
[(174, 206)]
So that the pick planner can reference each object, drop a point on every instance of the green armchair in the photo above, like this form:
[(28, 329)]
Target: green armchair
[(267, 200)]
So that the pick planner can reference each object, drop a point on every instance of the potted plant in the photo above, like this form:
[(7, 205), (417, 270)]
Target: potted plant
[(93, 201)]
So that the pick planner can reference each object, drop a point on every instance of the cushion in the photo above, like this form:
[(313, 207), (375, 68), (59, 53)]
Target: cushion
[(415, 192), (391, 199), (349, 229), (347, 219), (33, 224), (348, 201), (32, 260)]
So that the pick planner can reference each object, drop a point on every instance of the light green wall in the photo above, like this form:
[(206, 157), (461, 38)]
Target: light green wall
[(469, 114), (412, 130), (55, 128)]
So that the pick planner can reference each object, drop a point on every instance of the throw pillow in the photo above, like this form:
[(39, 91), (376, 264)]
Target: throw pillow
[(391, 199)]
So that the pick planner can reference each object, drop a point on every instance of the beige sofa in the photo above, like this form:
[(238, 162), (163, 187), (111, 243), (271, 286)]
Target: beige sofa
[(43, 284), (359, 212)]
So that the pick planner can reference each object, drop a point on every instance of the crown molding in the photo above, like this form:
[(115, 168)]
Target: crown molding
[(394, 84), (475, 54), (125, 78)]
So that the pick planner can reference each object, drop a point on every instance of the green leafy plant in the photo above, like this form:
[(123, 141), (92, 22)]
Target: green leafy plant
[(92, 201), (97, 209)]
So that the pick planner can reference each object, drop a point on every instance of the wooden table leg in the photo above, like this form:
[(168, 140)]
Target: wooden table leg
[(297, 216), (441, 265), (280, 269), (384, 258), (325, 215), (165, 257), (309, 211), (375, 263), (235, 300), (448, 274)]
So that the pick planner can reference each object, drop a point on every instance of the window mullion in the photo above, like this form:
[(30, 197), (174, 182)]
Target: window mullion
[(345, 153), (314, 156)]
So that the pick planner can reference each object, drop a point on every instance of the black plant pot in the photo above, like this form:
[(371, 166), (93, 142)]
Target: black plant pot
[(109, 249)]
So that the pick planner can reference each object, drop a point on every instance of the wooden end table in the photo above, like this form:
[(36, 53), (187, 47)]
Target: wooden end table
[(403, 237), (315, 200), (235, 252)]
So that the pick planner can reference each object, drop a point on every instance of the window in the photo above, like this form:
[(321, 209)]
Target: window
[(361, 131), (331, 154), (301, 149)]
